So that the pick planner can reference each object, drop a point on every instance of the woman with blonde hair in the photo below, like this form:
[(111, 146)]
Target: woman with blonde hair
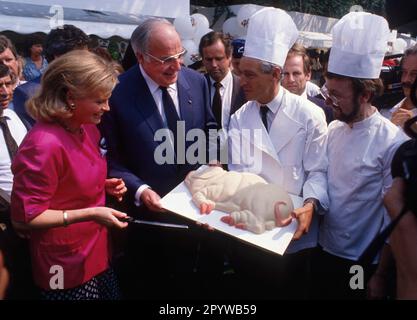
[(60, 181)]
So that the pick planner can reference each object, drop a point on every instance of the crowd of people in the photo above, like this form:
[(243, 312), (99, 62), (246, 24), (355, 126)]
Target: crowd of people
[(78, 160)]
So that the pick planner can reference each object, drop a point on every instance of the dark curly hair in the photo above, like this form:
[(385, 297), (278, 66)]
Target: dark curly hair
[(32, 40), (63, 40)]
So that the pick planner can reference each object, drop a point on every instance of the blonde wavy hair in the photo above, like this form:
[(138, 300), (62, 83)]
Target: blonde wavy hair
[(80, 72)]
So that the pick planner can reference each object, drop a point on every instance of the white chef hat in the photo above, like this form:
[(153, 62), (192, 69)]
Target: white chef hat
[(271, 34), (359, 45)]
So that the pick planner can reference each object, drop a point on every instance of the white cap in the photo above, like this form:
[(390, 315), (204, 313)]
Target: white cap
[(360, 41), (271, 34)]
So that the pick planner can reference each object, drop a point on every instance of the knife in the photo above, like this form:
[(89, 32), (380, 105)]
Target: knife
[(153, 223)]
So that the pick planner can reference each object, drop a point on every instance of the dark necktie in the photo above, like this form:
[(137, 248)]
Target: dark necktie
[(217, 103), (264, 112), (10, 141), (170, 114)]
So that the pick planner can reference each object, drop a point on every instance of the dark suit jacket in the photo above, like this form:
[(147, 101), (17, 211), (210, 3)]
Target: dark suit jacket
[(328, 111), (130, 126), (238, 96), (20, 95)]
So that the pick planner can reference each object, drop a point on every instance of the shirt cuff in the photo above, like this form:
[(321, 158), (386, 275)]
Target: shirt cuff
[(138, 193), (318, 209)]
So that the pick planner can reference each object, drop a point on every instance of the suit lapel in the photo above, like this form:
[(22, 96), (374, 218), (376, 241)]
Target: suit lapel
[(283, 128), (261, 140), (207, 76), (145, 102), (238, 96), (235, 94), (185, 101)]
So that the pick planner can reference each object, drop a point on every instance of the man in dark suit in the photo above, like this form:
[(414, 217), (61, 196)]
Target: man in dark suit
[(16, 250), (22, 94), (151, 97), (225, 92)]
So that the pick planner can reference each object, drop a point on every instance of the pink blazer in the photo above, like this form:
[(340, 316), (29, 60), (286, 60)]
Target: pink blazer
[(55, 169)]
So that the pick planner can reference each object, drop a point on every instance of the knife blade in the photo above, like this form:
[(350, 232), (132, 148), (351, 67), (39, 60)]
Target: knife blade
[(153, 223)]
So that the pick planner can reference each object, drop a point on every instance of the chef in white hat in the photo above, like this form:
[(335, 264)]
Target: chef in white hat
[(289, 133), (361, 144)]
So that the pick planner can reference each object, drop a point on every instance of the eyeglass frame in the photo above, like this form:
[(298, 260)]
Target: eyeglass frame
[(169, 59), (324, 91)]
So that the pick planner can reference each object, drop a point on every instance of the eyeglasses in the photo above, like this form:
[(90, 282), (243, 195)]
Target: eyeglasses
[(170, 59), (324, 91)]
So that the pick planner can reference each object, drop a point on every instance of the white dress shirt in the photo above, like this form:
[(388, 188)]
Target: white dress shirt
[(359, 173), (312, 89), (18, 131), (157, 95)]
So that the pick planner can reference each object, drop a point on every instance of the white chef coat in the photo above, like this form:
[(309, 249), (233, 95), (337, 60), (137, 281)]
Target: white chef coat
[(292, 154), (359, 173)]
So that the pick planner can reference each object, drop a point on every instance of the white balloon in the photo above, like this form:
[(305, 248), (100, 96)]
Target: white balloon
[(184, 27), (235, 8), (199, 33), (245, 13), (231, 28), (192, 54), (199, 21)]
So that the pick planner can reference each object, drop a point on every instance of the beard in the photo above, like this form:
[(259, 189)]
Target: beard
[(349, 117)]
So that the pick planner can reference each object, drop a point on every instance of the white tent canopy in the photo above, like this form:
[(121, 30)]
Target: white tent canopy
[(158, 8), (41, 16), (315, 39), (315, 31)]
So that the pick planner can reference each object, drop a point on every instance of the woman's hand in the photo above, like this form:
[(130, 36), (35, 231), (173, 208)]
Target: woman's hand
[(109, 217), (116, 188)]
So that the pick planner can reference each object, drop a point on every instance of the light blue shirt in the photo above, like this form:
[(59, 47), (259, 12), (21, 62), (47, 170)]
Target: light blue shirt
[(30, 71)]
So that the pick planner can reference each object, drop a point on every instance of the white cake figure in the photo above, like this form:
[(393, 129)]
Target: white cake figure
[(253, 204)]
